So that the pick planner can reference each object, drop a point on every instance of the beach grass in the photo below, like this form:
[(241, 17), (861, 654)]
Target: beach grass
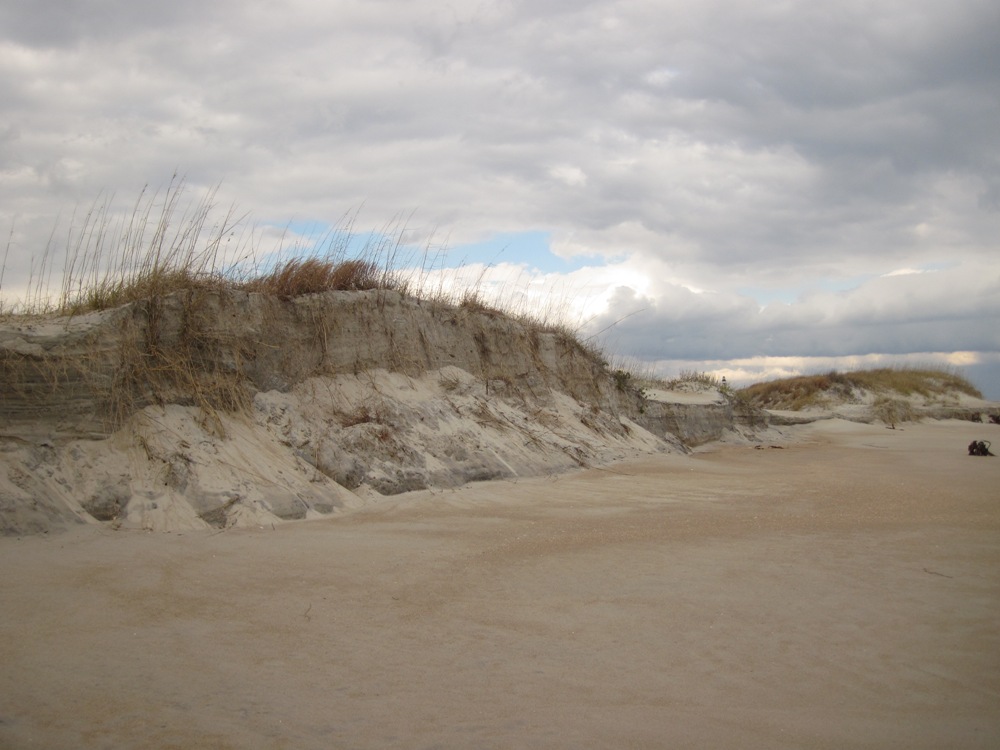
[(812, 390), (172, 241)]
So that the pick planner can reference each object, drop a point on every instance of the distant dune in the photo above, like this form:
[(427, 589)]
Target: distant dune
[(887, 395)]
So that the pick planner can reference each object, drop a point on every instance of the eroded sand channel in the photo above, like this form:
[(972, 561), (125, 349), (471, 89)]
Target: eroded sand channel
[(841, 592)]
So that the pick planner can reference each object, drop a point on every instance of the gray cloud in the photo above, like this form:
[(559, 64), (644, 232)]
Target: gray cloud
[(934, 312)]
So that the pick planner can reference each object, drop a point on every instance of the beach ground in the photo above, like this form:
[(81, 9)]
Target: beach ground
[(842, 590)]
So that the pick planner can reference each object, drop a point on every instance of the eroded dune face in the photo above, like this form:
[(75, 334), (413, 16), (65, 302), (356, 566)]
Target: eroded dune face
[(233, 408), (218, 349)]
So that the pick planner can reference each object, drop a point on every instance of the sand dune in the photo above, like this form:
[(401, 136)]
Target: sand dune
[(842, 591)]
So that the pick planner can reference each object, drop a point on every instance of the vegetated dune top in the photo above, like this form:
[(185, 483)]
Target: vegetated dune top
[(216, 408), (218, 348)]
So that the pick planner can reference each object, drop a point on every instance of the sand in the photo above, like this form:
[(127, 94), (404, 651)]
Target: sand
[(841, 591)]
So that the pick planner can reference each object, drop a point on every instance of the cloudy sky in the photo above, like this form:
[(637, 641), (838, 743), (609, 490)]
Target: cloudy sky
[(751, 188)]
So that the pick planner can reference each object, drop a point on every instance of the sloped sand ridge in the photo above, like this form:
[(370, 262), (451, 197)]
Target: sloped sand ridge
[(226, 408), (840, 592), (222, 408)]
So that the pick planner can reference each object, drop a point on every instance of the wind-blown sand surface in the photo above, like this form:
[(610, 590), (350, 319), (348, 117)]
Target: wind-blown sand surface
[(841, 592)]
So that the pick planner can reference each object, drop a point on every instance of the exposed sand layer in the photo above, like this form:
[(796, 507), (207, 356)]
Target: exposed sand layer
[(843, 591), (692, 396), (328, 445)]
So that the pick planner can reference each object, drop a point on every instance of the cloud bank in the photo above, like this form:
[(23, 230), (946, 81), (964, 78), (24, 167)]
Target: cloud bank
[(727, 180)]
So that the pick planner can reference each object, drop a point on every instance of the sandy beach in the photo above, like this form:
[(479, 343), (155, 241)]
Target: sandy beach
[(842, 590)]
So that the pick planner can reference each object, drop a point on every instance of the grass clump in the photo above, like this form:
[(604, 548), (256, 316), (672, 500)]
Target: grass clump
[(472, 300), (893, 410), (298, 276), (796, 393)]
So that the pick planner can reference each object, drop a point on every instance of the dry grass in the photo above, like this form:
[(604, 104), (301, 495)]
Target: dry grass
[(695, 377), (643, 377), (187, 366), (450, 383), (365, 414), (927, 382), (893, 410), (157, 282), (164, 261), (472, 300), (815, 390), (486, 417), (162, 247), (298, 276), (170, 244), (166, 245)]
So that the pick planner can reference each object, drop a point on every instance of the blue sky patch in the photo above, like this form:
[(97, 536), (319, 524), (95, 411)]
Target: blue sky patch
[(532, 249)]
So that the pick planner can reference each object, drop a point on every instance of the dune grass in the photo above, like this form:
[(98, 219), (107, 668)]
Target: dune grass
[(298, 276), (168, 243), (810, 390), (695, 377)]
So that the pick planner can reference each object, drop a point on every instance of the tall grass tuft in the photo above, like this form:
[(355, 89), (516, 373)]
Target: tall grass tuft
[(160, 248), (167, 244), (298, 276)]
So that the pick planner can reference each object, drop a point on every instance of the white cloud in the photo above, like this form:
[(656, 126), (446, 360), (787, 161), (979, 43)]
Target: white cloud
[(903, 272), (572, 176)]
